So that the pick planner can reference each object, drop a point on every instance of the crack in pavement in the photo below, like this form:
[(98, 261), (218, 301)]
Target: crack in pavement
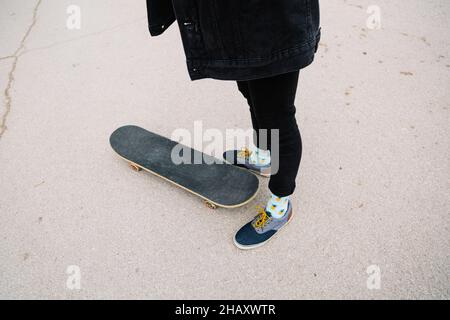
[(7, 57), (93, 34), (15, 57)]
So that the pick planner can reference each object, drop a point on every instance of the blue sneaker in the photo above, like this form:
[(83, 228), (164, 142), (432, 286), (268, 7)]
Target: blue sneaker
[(261, 229), (242, 159)]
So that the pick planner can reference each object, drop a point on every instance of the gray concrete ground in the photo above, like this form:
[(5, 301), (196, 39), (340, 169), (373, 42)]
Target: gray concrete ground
[(374, 111)]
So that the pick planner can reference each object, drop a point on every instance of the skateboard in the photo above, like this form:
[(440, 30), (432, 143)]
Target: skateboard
[(218, 184)]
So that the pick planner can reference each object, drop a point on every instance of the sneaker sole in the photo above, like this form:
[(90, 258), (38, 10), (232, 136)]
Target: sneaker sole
[(255, 246), (266, 173)]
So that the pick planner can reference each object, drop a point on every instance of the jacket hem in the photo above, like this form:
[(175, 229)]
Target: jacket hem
[(284, 61), (252, 73), (159, 28)]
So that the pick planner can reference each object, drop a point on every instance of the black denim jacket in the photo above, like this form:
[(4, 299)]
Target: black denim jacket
[(241, 39)]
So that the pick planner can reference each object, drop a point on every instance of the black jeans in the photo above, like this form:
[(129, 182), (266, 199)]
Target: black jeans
[(271, 102)]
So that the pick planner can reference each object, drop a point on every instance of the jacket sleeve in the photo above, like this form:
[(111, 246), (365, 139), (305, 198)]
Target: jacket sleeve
[(160, 16)]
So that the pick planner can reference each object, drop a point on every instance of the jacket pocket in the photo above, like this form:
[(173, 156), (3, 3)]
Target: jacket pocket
[(221, 27), (313, 18), (269, 26)]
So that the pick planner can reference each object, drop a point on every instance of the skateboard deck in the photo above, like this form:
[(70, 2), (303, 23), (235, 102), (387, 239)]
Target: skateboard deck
[(218, 184)]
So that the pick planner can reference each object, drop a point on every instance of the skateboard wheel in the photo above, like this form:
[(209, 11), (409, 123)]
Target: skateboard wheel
[(210, 205), (135, 167)]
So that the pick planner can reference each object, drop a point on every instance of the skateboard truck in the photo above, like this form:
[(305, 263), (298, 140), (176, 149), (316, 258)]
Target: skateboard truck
[(210, 205), (135, 167)]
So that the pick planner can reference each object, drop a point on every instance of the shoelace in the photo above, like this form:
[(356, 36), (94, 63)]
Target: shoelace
[(263, 218), (244, 153)]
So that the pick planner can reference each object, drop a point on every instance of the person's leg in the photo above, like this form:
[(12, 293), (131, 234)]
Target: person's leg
[(250, 157), (273, 106), (243, 88)]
